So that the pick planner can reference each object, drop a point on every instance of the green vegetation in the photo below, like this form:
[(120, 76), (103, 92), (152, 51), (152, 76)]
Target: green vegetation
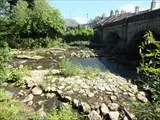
[(150, 65), (30, 25), (90, 72), (7, 72), (62, 114), (68, 69), (5, 58), (12, 109), (149, 81), (79, 34), (144, 111)]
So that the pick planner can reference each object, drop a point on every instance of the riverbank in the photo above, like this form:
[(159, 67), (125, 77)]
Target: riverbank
[(92, 91)]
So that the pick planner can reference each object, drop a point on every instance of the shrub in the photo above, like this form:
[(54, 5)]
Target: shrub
[(68, 69), (9, 108), (30, 24), (149, 69), (79, 34), (12, 109), (5, 58), (62, 114), (144, 111), (5, 55), (18, 73)]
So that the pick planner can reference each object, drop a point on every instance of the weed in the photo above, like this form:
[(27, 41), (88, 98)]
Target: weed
[(62, 114)]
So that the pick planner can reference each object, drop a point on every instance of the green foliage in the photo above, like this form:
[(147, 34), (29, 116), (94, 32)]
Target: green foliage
[(68, 69), (90, 72), (144, 111), (31, 25), (30, 43), (150, 55), (62, 114), (18, 73), (5, 58), (12, 109), (150, 65), (9, 108), (79, 34), (5, 55)]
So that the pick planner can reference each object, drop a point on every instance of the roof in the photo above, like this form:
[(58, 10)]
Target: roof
[(101, 21)]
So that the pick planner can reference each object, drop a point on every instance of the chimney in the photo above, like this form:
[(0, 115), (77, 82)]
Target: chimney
[(117, 12), (153, 4), (111, 13), (136, 9)]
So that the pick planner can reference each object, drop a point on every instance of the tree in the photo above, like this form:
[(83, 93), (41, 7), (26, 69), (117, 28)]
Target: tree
[(41, 20)]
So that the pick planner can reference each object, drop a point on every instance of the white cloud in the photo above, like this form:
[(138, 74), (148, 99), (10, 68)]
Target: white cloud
[(130, 8), (80, 20)]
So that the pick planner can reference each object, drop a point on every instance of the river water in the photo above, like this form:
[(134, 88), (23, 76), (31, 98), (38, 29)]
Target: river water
[(104, 64)]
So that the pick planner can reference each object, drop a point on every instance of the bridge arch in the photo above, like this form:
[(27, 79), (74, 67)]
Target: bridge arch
[(111, 41)]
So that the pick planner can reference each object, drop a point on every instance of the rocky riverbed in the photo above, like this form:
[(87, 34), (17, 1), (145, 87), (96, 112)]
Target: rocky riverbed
[(98, 95)]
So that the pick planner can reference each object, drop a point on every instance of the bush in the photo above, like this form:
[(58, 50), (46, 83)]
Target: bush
[(149, 69), (12, 109), (68, 69), (79, 34), (144, 111), (5, 55), (62, 114), (30, 24), (5, 58)]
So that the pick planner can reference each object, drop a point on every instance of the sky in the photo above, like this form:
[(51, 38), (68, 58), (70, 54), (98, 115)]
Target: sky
[(84, 10)]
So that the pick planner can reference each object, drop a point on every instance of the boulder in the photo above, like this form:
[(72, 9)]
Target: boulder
[(142, 97), (36, 91), (104, 109), (28, 98), (114, 115), (113, 106), (85, 107), (75, 103), (93, 115)]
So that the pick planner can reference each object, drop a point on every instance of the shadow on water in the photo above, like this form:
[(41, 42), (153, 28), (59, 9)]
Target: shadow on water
[(108, 64)]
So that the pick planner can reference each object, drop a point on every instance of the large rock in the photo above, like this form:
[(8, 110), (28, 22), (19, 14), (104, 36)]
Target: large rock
[(142, 97), (75, 103), (85, 107), (36, 91), (93, 115), (104, 109), (28, 98), (113, 106), (29, 57), (114, 115)]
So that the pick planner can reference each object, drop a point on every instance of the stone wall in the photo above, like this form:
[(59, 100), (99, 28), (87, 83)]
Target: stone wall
[(130, 30)]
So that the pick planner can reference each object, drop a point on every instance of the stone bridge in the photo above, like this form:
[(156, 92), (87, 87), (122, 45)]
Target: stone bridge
[(122, 32)]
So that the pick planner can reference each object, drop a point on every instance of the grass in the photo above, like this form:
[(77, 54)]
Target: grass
[(62, 114), (14, 75), (91, 72), (144, 111), (68, 69), (12, 109)]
